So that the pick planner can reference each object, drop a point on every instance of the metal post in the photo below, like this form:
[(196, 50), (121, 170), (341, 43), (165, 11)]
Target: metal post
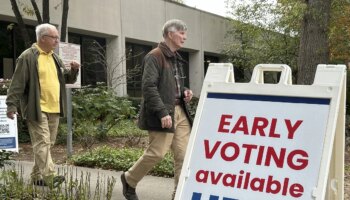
[(69, 123), (69, 106)]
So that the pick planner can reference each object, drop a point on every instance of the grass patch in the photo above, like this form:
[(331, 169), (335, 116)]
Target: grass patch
[(125, 128), (121, 160), (347, 168), (77, 186)]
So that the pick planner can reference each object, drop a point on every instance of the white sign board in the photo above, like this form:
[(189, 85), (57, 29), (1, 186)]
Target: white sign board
[(70, 52), (8, 129), (258, 141)]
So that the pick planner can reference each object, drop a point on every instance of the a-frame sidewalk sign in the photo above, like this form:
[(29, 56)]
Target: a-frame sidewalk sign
[(263, 141)]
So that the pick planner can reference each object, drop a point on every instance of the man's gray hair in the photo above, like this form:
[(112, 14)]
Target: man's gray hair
[(172, 26), (43, 29)]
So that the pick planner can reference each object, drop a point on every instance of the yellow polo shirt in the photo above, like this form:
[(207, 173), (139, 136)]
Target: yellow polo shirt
[(49, 84)]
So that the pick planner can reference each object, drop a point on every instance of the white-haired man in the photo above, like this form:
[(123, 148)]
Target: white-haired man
[(163, 110), (38, 89)]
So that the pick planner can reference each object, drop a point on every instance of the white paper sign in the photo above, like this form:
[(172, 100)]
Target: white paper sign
[(70, 52), (8, 129)]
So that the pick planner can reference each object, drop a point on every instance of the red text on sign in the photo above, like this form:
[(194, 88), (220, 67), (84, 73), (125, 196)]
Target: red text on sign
[(260, 125), (247, 182), (264, 155)]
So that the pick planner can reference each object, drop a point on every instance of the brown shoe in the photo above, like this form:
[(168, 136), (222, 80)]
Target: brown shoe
[(52, 182), (128, 191), (58, 180)]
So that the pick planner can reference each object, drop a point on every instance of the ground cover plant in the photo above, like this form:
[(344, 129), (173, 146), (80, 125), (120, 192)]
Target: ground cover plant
[(121, 160)]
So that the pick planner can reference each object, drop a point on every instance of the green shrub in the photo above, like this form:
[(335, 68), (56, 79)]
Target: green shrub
[(23, 132), (135, 102), (14, 186), (4, 85), (99, 108), (99, 103), (5, 156), (62, 132), (121, 160), (192, 108), (126, 127)]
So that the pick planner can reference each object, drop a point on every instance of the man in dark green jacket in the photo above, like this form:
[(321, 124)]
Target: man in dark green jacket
[(163, 110), (38, 89)]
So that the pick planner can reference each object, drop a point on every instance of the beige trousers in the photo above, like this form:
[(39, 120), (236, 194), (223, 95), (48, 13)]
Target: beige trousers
[(159, 145), (43, 136)]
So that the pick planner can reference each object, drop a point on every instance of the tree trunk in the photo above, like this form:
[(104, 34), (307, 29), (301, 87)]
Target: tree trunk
[(37, 12), (21, 25), (314, 47), (65, 9), (46, 11)]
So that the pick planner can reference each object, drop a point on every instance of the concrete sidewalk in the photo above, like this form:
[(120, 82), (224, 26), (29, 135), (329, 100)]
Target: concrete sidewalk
[(150, 188)]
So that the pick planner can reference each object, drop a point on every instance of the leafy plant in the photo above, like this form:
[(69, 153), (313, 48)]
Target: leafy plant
[(96, 110), (4, 86), (128, 129), (14, 186), (62, 132), (193, 106), (347, 125), (121, 160), (85, 134), (347, 168), (5, 156)]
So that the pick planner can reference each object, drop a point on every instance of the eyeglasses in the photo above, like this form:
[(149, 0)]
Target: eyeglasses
[(53, 37)]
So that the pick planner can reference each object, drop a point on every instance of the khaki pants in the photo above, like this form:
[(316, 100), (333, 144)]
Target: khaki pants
[(159, 145), (43, 136)]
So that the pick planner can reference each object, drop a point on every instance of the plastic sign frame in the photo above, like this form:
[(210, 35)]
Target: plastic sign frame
[(267, 141)]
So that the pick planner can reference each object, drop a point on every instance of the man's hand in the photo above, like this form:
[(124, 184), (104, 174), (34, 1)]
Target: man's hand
[(11, 115), (166, 122), (74, 65), (188, 95)]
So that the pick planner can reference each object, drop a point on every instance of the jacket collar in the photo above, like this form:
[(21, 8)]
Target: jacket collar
[(166, 50), (168, 53)]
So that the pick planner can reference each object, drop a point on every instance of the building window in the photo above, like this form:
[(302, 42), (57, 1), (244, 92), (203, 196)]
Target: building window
[(93, 58), (134, 56), (186, 69), (11, 46)]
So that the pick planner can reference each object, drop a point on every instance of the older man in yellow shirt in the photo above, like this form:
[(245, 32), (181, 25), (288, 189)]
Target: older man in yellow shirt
[(38, 89)]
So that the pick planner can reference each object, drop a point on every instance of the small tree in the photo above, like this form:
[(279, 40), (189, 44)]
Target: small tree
[(316, 32), (257, 36), (33, 9), (314, 46), (113, 65)]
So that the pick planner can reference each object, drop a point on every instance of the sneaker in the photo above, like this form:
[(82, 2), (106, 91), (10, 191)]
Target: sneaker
[(128, 191)]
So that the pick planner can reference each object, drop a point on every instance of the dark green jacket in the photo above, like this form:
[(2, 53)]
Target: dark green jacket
[(24, 91), (158, 88)]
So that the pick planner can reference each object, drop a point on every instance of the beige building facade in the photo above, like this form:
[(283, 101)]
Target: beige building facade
[(137, 24)]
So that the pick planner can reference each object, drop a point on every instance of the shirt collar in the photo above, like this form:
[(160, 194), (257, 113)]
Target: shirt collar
[(41, 51)]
